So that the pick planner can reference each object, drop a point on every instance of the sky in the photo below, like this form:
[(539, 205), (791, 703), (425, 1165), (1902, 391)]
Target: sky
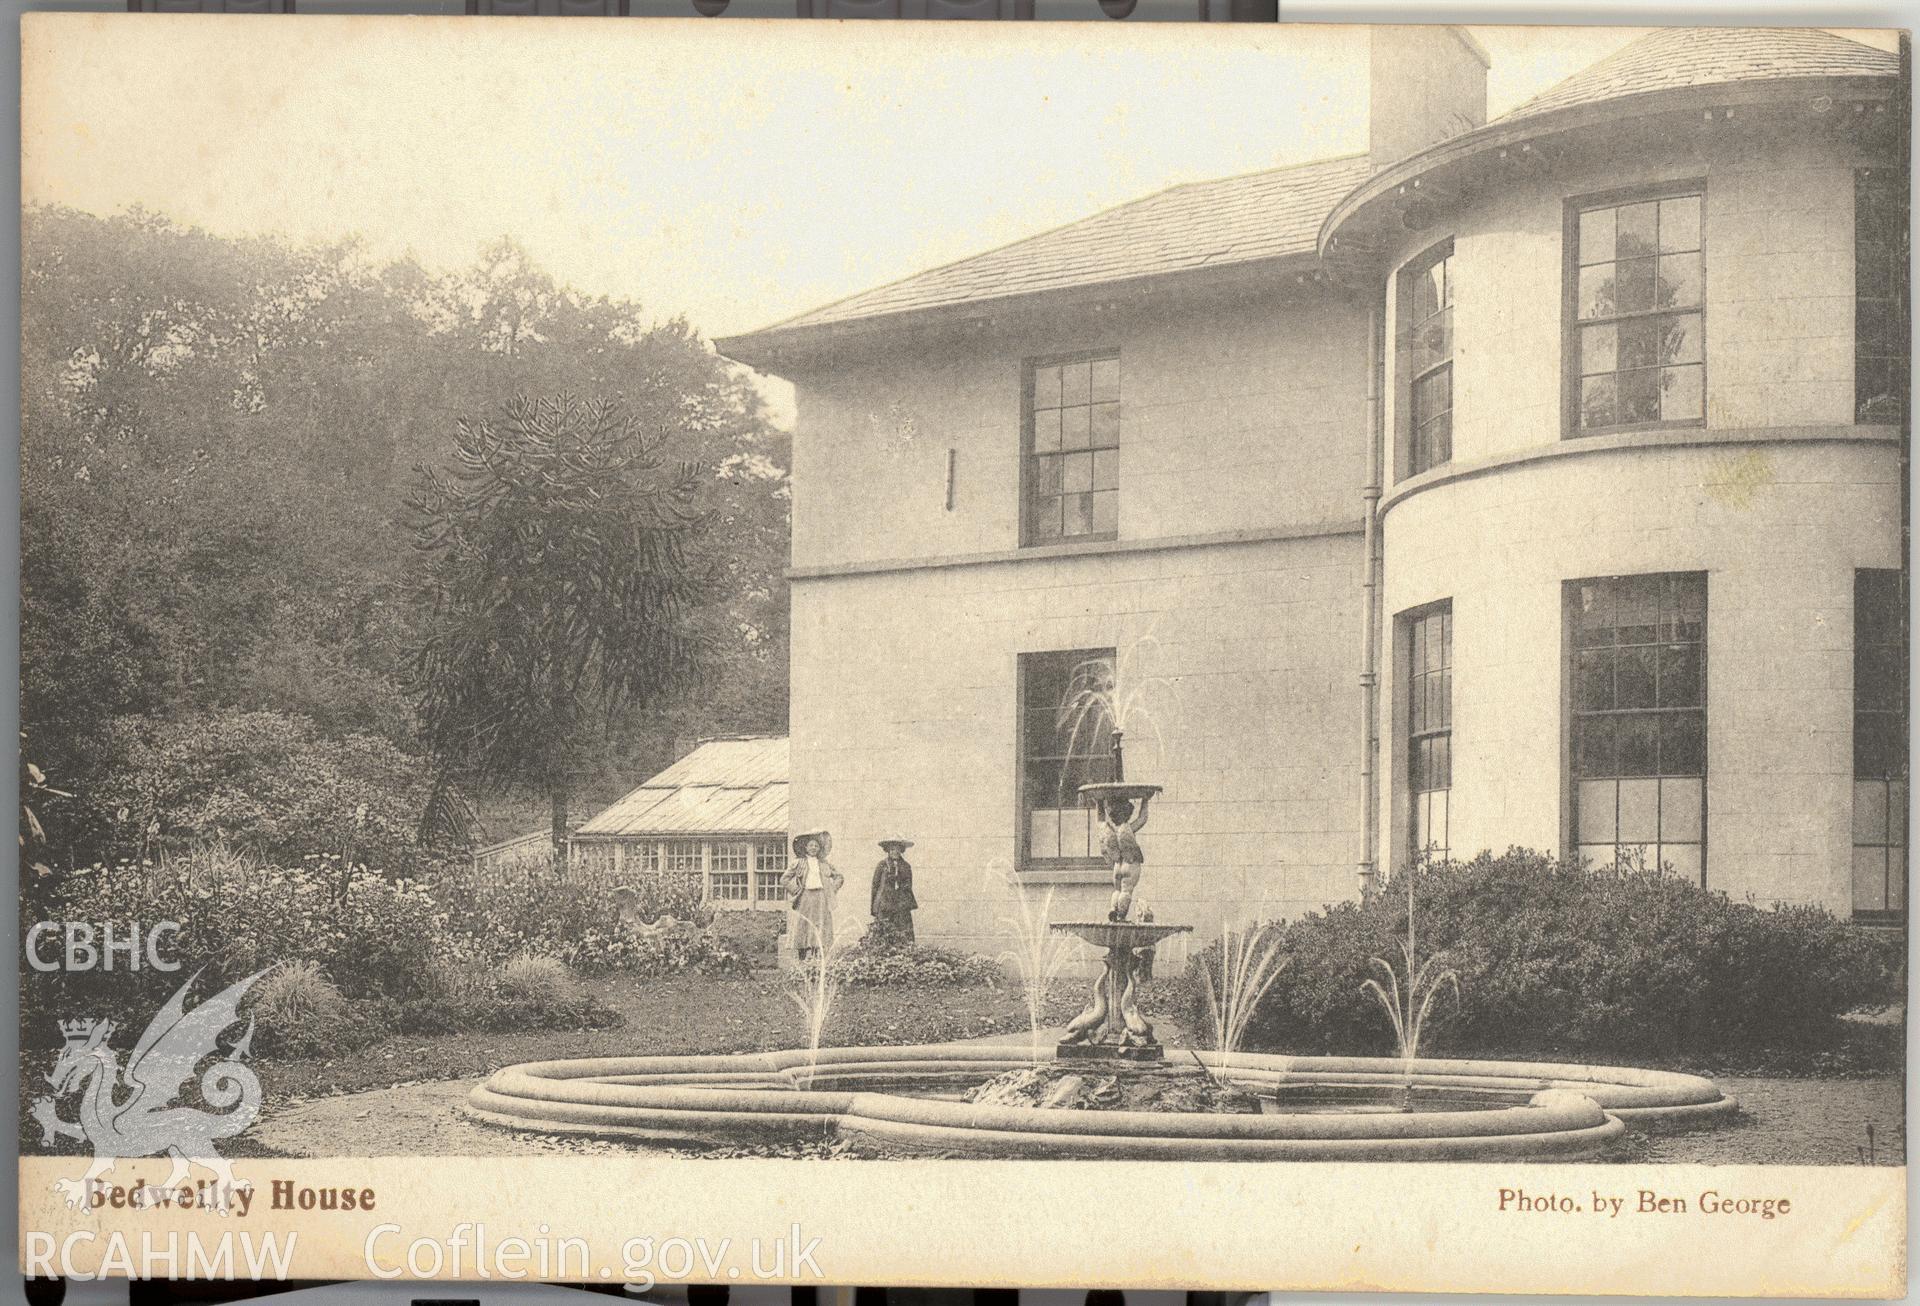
[(733, 172)]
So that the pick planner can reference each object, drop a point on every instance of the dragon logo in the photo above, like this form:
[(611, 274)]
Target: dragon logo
[(146, 1121)]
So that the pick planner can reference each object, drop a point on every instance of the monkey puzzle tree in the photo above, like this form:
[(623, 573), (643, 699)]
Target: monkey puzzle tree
[(558, 581)]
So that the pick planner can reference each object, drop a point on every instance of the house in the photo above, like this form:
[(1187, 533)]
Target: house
[(1536, 481), (719, 813)]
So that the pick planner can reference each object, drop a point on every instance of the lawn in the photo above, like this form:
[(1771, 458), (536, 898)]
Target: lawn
[(682, 1014)]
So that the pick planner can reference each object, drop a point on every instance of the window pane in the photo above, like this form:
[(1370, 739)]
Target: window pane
[(1679, 675), (1106, 512), (1046, 519), (1106, 469), (1078, 509), (1106, 425), (1046, 475), (1046, 430), (1076, 472), (1633, 288), (1680, 338), (1043, 833), (1897, 813), (1639, 745), (1870, 811), (1639, 342), (1596, 236), (1682, 861), (1680, 810), (1633, 677), (1596, 290), (1634, 229), (1432, 395), (1106, 379), (1683, 743), (1639, 396), (1594, 746), (1680, 394), (1679, 281), (1596, 798), (1680, 223), (1075, 428), (1076, 832), (1639, 811), (1440, 441), (1597, 400), (1599, 350), (1046, 387), (1593, 680), (1074, 382)]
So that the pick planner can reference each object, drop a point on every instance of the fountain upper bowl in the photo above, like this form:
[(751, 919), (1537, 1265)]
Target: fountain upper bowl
[(1105, 789), (1119, 934)]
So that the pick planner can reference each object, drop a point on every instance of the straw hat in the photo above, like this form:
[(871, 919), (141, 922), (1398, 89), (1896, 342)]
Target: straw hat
[(800, 842), (896, 845)]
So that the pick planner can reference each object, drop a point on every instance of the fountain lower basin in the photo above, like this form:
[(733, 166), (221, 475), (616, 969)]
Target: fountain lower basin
[(1534, 1110)]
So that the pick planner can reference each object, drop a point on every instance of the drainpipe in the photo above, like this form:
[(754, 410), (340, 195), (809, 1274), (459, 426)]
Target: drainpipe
[(1370, 596)]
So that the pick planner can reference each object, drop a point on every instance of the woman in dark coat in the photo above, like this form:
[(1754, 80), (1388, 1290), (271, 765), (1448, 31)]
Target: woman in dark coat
[(893, 902)]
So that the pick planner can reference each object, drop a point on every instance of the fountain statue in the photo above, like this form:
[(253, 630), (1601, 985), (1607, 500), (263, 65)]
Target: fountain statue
[(1112, 1025)]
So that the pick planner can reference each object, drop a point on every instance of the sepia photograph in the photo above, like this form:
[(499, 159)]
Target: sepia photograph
[(944, 604)]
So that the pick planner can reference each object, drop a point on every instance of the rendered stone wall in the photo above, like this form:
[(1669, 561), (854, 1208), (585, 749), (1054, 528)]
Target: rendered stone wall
[(1236, 415), (1778, 526), (904, 699), (1778, 231)]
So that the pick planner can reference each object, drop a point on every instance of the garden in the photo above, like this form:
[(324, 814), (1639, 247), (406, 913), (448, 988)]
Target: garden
[(375, 982)]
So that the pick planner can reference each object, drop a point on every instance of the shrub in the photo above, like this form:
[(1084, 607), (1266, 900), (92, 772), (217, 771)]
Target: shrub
[(540, 980), (581, 920), (1552, 954), (263, 781), (297, 1011), (236, 915), (528, 993), (866, 967)]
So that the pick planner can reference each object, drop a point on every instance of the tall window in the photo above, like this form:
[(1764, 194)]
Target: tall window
[(1430, 728), (1066, 731), (1426, 307), (1639, 680), (1879, 747), (1073, 449), (1637, 353), (1880, 338), (727, 875)]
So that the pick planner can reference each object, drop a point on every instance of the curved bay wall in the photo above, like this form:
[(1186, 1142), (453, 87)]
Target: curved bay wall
[(1777, 519)]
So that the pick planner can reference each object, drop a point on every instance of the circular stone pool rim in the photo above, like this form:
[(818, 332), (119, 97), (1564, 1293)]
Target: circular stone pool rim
[(1572, 1110)]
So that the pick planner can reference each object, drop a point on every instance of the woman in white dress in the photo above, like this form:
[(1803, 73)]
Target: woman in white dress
[(812, 885)]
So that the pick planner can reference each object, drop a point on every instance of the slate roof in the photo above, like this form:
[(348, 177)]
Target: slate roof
[(1200, 224), (725, 786), (1709, 56)]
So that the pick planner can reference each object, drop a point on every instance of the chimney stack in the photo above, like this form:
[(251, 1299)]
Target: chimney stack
[(1424, 85)]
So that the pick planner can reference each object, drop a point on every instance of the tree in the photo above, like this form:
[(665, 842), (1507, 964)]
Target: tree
[(558, 582)]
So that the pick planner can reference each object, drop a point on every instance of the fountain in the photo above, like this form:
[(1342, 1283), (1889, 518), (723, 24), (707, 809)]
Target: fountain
[(1112, 1026), (1108, 1091)]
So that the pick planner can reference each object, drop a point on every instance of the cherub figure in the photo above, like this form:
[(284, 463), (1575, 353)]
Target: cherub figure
[(1121, 848)]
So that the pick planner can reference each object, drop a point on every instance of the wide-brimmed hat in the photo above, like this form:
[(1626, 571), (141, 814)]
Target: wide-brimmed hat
[(800, 842), (892, 844)]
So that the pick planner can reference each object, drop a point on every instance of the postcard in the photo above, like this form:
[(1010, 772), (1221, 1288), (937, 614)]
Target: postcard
[(1193, 656)]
